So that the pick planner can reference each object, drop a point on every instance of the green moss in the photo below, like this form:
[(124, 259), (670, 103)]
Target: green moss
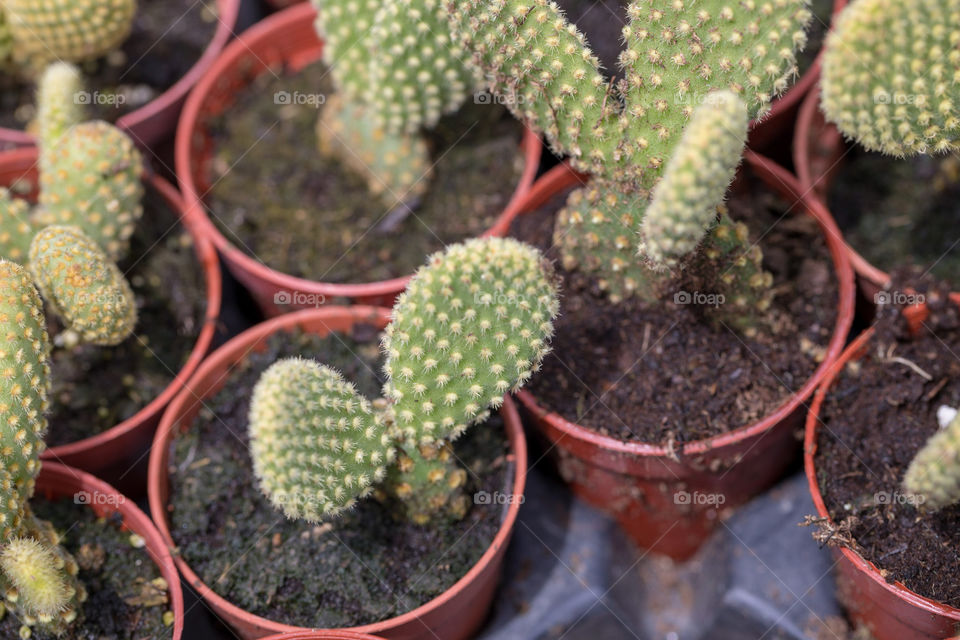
[(278, 199), (360, 568)]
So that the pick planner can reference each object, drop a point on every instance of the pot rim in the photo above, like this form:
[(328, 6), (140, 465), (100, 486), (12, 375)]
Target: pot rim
[(233, 53), (782, 181), (228, 353), (25, 159), (227, 12), (864, 566)]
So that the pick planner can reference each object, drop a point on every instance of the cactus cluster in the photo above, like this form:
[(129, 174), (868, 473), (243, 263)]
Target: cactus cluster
[(37, 576), (710, 63), (934, 473), (38, 32), (397, 70), (90, 193), (890, 75), (473, 325)]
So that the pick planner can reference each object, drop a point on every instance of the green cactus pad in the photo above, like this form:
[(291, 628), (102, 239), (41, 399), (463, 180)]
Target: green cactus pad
[(345, 28), (68, 30), (16, 230), (934, 473), (890, 78), (82, 285), (684, 204), (317, 444), (32, 568), (92, 180), (473, 324), (59, 106), (427, 483)]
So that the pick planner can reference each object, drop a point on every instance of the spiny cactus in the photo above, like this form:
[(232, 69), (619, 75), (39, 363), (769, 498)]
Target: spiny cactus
[(473, 325), (38, 576), (85, 288), (58, 105), (70, 30), (677, 53), (934, 473), (16, 229), (890, 78)]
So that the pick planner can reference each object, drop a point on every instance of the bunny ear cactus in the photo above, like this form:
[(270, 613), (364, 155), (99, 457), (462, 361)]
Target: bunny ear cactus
[(16, 229), (890, 78), (58, 104), (473, 325), (38, 576), (934, 473)]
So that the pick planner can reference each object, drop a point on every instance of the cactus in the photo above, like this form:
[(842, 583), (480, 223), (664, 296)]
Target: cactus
[(473, 324), (70, 30), (58, 105), (83, 286), (890, 77), (933, 476), (678, 53), (16, 229), (38, 576)]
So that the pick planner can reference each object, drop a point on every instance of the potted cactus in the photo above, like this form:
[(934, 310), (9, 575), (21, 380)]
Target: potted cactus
[(887, 88), (648, 241), (89, 205), (43, 582), (402, 138), (334, 464), (142, 58)]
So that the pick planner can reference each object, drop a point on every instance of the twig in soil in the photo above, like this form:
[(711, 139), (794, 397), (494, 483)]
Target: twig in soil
[(889, 357), (828, 534), (900, 548), (646, 338), (396, 216), (930, 395)]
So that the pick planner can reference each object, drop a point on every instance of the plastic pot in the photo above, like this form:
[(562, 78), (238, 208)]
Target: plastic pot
[(287, 39), (322, 635), (114, 454), (60, 481), (157, 119), (454, 615), (642, 485), (889, 610)]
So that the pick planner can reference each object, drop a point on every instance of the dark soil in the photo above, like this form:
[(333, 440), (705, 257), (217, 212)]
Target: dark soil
[(122, 604), (167, 39), (96, 388), (900, 211), (360, 568), (303, 214), (664, 373), (876, 417)]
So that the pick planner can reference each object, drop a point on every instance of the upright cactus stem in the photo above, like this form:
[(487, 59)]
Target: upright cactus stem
[(58, 104), (473, 325), (890, 78), (934, 474)]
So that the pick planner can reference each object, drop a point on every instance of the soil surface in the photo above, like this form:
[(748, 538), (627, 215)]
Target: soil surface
[(167, 39), (95, 388), (900, 211), (663, 372), (360, 568), (124, 602), (878, 414), (277, 198)]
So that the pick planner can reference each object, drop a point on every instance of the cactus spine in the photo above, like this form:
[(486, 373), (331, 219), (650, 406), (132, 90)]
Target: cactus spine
[(890, 78), (473, 325), (934, 473), (38, 576)]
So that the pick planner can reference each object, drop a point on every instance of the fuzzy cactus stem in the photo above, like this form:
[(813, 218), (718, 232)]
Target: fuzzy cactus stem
[(933, 476)]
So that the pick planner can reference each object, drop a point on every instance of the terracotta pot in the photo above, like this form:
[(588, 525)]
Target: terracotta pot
[(774, 127), (889, 610), (454, 615), (157, 119), (818, 153), (322, 635), (638, 483), (60, 481), (115, 453), (289, 39)]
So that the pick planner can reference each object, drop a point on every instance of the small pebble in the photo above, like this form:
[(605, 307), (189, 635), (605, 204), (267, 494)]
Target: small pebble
[(137, 542)]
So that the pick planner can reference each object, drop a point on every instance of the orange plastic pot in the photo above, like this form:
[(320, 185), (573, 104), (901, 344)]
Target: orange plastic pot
[(639, 483), (454, 615), (286, 39), (889, 610), (157, 119), (116, 452), (60, 481)]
